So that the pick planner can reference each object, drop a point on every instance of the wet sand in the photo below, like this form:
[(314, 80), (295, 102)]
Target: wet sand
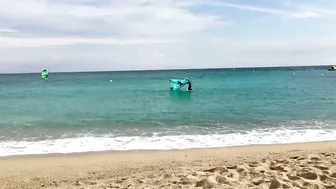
[(304, 165)]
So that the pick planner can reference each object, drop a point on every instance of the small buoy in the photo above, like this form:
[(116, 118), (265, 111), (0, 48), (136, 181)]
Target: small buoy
[(321, 74), (111, 81)]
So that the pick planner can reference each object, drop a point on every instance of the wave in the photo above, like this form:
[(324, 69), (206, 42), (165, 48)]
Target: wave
[(92, 143)]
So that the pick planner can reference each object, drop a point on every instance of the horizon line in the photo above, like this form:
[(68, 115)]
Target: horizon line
[(172, 69)]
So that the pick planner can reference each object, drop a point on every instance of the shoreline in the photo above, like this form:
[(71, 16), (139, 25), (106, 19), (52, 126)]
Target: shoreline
[(103, 151), (130, 152), (312, 164)]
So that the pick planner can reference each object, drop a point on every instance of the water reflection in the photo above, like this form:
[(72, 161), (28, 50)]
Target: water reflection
[(179, 95)]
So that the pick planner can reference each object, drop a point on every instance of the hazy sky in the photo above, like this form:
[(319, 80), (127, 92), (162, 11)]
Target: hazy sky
[(77, 35)]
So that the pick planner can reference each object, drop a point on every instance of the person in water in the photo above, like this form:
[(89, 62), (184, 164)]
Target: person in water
[(189, 87)]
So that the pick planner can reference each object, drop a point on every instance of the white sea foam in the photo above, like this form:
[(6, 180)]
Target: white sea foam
[(94, 143)]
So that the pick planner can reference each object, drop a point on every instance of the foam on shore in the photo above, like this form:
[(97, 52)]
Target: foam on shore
[(93, 143)]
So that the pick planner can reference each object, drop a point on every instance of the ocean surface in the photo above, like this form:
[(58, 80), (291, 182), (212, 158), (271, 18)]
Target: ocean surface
[(85, 112)]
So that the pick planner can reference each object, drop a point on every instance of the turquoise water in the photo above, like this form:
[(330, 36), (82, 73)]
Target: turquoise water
[(77, 112)]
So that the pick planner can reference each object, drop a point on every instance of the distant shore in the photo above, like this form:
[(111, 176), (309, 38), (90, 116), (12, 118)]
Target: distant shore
[(306, 165)]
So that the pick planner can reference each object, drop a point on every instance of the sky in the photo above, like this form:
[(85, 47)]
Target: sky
[(95, 35)]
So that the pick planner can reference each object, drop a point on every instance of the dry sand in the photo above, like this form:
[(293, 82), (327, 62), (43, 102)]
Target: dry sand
[(306, 165)]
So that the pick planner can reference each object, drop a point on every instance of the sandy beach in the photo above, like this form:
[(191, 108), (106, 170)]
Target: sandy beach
[(304, 165)]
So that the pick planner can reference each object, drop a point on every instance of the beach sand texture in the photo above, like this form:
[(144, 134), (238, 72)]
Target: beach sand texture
[(305, 165)]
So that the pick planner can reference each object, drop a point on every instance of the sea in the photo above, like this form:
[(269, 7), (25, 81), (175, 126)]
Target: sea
[(135, 110)]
